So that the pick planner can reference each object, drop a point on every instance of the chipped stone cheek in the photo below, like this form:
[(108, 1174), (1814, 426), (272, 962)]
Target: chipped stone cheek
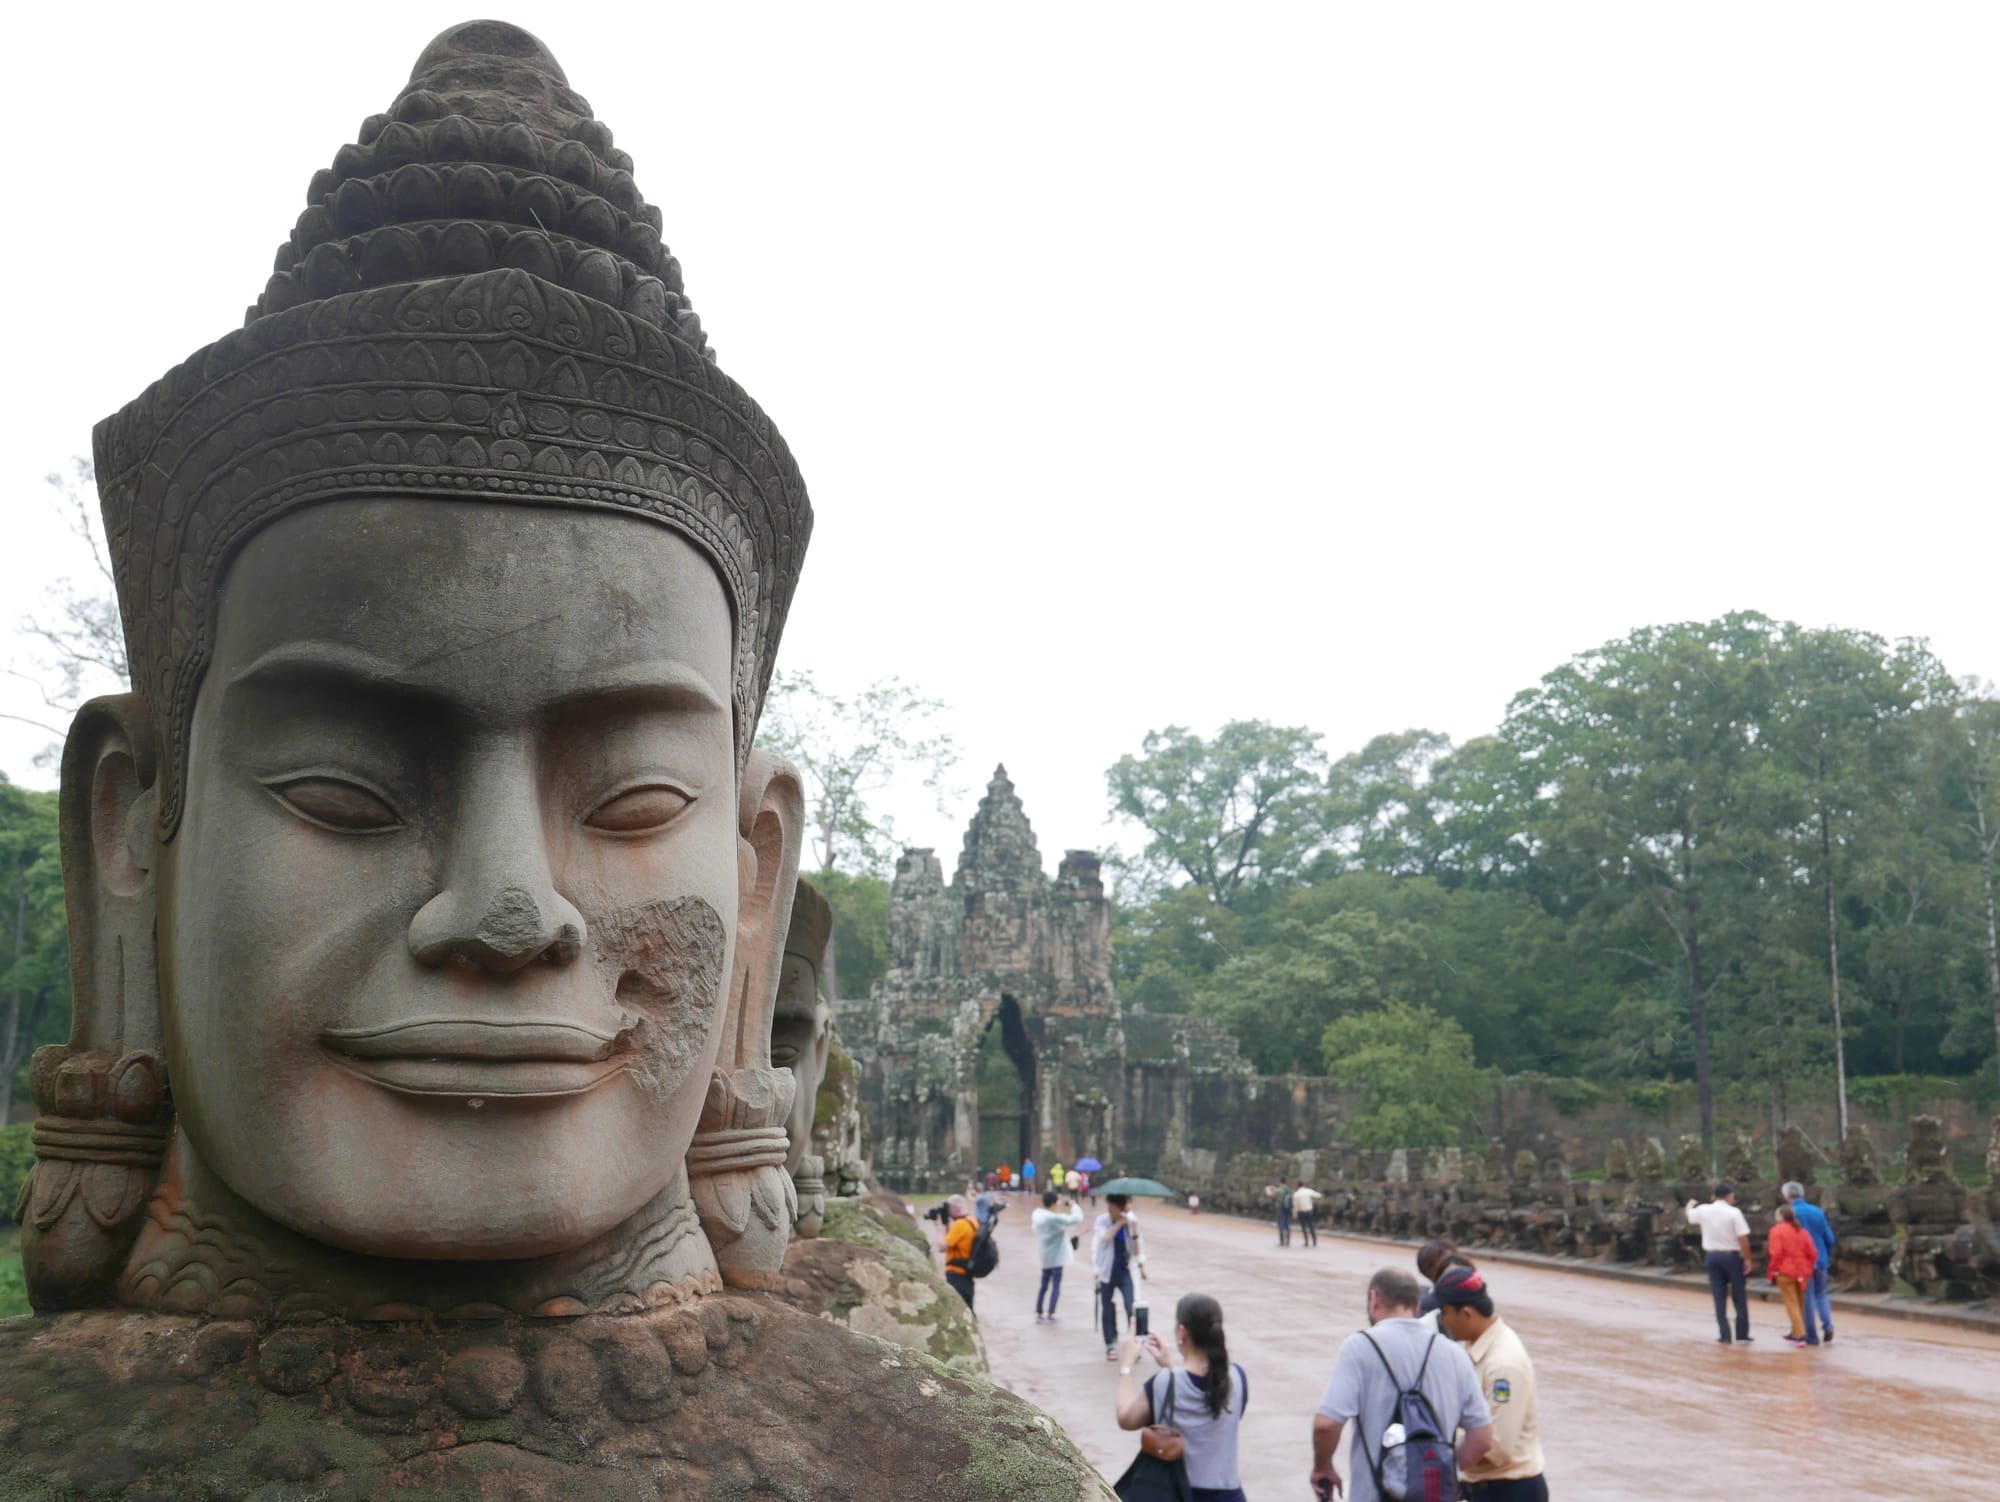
[(668, 956)]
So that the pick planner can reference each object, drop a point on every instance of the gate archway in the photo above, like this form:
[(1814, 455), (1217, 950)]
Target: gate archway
[(1006, 1081)]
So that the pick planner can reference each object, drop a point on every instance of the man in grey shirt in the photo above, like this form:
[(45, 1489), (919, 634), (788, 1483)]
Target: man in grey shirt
[(1362, 1392)]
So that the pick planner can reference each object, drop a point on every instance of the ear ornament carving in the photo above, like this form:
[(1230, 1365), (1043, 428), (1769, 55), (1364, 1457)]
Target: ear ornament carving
[(736, 1169), (105, 1127)]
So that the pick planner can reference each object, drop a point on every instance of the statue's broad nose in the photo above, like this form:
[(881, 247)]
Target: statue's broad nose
[(509, 931)]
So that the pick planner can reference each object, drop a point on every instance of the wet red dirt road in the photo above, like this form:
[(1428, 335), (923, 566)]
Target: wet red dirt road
[(1637, 1399)]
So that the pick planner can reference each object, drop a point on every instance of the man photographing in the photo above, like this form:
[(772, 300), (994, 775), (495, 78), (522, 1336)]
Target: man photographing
[(1725, 1241)]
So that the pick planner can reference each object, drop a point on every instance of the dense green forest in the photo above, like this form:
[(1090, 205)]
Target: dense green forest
[(1738, 852)]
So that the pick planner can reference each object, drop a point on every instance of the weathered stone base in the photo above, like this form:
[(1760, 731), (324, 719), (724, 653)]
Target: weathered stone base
[(872, 1270), (726, 1397)]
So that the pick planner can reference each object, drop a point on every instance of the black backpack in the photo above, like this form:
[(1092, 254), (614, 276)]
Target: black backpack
[(1423, 1465), (985, 1251)]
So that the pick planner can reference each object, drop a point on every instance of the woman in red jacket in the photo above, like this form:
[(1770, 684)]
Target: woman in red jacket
[(1790, 1255)]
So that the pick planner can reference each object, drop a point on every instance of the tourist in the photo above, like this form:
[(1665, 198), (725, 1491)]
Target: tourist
[(1511, 1471), (1725, 1241), (1117, 1252), (1434, 1264), (1028, 1176), (1057, 1178), (1789, 1256), (1432, 1259), (1073, 1182), (1305, 1206), (1194, 1203), (958, 1239), (1052, 1228), (1283, 1194), (1813, 1221), (1006, 1177), (1207, 1395), (1371, 1371)]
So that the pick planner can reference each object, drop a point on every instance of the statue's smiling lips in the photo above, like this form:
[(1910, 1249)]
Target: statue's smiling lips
[(479, 1058)]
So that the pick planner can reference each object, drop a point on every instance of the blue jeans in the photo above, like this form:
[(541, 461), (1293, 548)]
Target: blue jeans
[(1818, 1300), (1051, 1287), (1726, 1279), (1121, 1282)]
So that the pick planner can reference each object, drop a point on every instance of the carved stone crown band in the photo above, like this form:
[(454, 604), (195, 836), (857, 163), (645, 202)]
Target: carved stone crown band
[(734, 1148)]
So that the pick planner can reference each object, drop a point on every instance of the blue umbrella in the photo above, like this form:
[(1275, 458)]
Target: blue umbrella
[(1088, 1165)]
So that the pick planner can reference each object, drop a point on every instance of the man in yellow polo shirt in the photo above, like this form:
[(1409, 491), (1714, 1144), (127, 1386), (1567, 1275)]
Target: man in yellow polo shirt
[(1511, 1471)]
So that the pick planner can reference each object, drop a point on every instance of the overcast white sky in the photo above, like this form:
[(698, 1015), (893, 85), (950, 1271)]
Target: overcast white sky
[(1341, 366)]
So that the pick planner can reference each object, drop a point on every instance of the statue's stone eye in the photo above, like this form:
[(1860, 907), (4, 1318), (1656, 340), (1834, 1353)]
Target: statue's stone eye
[(639, 810), (334, 804)]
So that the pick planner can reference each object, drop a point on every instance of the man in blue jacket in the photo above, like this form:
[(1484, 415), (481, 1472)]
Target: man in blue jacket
[(1813, 1221)]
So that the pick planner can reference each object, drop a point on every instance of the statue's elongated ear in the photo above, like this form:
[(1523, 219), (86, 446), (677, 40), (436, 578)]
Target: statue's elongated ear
[(771, 833), (105, 1116), (736, 1165)]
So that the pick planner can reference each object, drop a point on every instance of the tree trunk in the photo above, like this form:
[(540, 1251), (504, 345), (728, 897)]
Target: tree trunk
[(1704, 1083), (1833, 966), (1904, 995)]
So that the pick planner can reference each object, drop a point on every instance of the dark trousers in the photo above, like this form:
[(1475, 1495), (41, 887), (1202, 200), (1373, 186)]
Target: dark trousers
[(1309, 1229), (1051, 1287), (1533, 1489), (1121, 1282), (1284, 1228), (962, 1282), (1726, 1281)]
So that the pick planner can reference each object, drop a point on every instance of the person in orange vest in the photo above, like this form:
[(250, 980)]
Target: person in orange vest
[(958, 1239)]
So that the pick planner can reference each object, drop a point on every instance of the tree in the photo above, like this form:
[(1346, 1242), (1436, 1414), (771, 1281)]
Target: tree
[(1164, 952), (34, 948), (1278, 997), (1837, 733), (1644, 752), (1414, 1070), (849, 748), (1379, 804), (1973, 782), (82, 638), (860, 929), (1232, 815)]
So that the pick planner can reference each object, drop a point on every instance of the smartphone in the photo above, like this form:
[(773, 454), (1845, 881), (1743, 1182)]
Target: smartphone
[(1140, 1321)]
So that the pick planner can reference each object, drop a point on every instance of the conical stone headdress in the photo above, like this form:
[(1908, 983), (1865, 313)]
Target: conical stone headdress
[(475, 304)]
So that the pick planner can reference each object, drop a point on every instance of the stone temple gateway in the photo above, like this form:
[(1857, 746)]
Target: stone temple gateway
[(997, 1035)]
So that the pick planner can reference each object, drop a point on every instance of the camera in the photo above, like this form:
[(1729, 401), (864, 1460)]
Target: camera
[(1141, 1320)]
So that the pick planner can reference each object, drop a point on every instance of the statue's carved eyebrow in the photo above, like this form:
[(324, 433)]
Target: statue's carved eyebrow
[(334, 666), (659, 683)]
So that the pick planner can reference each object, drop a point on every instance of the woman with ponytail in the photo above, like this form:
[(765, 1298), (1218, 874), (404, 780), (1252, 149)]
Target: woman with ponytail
[(1204, 1391)]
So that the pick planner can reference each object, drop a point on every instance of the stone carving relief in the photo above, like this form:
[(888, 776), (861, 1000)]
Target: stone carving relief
[(429, 902), (801, 1036)]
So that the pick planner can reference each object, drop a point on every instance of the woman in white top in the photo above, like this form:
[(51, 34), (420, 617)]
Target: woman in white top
[(1209, 1396)]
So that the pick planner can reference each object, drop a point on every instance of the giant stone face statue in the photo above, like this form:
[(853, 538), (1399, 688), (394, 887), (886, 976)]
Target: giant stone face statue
[(428, 863), (419, 1133)]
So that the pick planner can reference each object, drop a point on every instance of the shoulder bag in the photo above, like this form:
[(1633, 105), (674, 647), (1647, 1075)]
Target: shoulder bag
[(1158, 1473)]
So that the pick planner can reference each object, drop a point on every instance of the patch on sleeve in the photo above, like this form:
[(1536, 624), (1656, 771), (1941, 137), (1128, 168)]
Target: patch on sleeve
[(1502, 1389)]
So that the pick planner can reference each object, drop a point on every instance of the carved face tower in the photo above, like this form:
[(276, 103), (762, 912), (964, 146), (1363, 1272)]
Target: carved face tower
[(429, 861)]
